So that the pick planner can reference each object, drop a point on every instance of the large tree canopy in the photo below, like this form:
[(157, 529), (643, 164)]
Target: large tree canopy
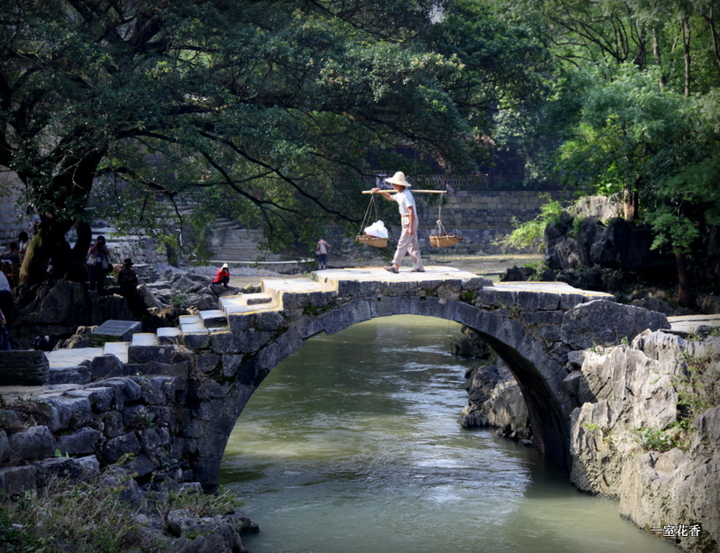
[(634, 111), (263, 110)]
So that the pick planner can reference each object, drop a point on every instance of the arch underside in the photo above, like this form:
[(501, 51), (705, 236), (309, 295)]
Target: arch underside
[(538, 375)]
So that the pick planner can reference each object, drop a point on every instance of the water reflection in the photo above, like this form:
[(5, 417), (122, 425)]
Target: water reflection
[(352, 445)]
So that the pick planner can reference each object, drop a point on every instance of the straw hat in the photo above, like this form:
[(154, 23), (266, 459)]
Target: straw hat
[(399, 178)]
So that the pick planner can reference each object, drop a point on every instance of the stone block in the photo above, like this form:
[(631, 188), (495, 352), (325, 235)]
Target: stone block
[(531, 318), (146, 354), (4, 446), (207, 362), (334, 321), (18, 480), (112, 422), (126, 389), (69, 375), (252, 340), (230, 364), (117, 447), (157, 390), (100, 398), (83, 468), (141, 466), (36, 442), (269, 320), (223, 342), (307, 326), (491, 297), (80, 442), (105, 366), (138, 416), (197, 341), (551, 333), (163, 415), (153, 438)]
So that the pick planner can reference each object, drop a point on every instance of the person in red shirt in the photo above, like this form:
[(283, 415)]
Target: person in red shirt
[(223, 276)]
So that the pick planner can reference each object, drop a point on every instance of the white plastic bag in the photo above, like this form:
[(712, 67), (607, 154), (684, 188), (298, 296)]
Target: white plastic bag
[(377, 229)]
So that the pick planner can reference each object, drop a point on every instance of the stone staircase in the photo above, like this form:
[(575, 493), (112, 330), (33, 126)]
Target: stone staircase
[(233, 243), (193, 331)]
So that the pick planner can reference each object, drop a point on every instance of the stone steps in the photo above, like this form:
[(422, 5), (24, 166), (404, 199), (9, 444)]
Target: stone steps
[(195, 330)]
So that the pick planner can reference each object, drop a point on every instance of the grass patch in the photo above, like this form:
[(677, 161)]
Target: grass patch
[(90, 517)]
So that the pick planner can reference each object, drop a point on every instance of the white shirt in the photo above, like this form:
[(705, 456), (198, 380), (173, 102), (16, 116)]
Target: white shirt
[(405, 200)]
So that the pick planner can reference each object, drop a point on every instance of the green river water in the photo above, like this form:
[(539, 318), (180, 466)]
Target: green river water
[(352, 445)]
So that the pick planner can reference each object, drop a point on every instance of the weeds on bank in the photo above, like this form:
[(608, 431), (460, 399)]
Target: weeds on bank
[(698, 386), (531, 232), (89, 517), (698, 389)]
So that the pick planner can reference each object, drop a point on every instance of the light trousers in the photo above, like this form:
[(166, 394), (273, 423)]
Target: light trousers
[(409, 244)]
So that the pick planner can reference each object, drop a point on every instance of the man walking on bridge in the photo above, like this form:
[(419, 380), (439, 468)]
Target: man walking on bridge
[(408, 242)]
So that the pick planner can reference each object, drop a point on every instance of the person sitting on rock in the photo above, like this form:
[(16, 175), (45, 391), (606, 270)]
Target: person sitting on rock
[(13, 254), (223, 276), (128, 283), (6, 341)]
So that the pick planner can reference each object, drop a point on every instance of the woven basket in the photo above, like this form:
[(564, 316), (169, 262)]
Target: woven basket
[(372, 241), (444, 240)]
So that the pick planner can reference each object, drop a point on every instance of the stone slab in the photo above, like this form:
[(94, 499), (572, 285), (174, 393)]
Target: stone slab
[(351, 281), (144, 339), (689, 324), (115, 330), (118, 349), (65, 358)]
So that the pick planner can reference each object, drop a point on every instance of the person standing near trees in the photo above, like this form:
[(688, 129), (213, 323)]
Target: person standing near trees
[(321, 251), (408, 242), (98, 261)]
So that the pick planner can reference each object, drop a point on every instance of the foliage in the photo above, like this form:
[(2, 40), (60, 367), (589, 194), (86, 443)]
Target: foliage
[(91, 516), (634, 109), (167, 114), (653, 439), (531, 233), (698, 385)]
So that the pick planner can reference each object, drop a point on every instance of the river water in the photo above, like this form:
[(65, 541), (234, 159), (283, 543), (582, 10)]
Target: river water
[(351, 445)]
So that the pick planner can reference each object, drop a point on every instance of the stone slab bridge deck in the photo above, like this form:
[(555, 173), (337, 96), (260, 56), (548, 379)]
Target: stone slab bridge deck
[(533, 326)]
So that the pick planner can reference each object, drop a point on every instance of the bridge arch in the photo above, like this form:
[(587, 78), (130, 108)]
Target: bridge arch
[(537, 373), (522, 322)]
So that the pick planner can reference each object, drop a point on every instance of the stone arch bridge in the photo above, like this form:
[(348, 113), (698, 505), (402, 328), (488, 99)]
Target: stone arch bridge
[(533, 327)]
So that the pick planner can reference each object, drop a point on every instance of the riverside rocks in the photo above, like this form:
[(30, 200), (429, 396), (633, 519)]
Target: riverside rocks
[(627, 441), (636, 393), (131, 425)]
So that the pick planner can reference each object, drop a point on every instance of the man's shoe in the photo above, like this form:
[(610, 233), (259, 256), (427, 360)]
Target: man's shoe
[(418, 271), (392, 269)]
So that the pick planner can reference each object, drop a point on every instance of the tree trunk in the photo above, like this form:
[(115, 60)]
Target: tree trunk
[(631, 201), (686, 34), (685, 297)]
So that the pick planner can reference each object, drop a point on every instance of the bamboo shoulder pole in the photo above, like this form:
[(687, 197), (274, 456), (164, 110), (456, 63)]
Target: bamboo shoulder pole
[(393, 191)]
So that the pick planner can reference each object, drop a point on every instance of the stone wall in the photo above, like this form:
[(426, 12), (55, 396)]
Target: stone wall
[(481, 217), (81, 428)]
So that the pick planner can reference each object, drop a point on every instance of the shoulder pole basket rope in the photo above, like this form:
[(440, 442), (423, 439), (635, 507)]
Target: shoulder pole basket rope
[(367, 239), (441, 239)]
